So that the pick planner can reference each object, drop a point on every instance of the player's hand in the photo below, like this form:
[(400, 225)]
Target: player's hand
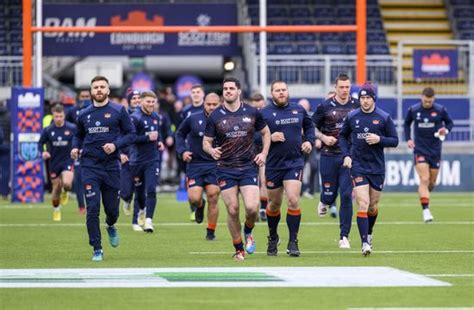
[(318, 144), (75, 153), (347, 162), (278, 136), (216, 153), (328, 140), (306, 147), (169, 141), (260, 159), (46, 155), (187, 156), (411, 144), (153, 135), (443, 131), (123, 158), (109, 148), (161, 146), (372, 138)]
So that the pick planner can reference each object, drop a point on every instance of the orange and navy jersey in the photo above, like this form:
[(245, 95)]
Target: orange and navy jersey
[(328, 119), (234, 133)]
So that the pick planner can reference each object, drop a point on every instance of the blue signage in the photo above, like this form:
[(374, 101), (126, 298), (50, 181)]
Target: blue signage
[(428, 63), (27, 164), (139, 44)]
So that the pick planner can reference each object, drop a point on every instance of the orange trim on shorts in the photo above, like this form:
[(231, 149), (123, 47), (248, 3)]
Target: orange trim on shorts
[(237, 241), (294, 212), (424, 200), (212, 226), (362, 214), (272, 213)]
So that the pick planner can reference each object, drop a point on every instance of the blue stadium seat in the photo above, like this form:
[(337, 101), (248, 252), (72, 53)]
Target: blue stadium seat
[(280, 37), (465, 24), (16, 49), (461, 2), (254, 11), (378, 49), (284, 49), (305, 37), (349, 36), (333, 48), (463, 13), (277, 22), (351, 48), (304, 21), (300, 12), (466, 35), (307, 49), (277, 12), (325, 21), (345, 12), (375, 24), (330, 37), (324, 12)]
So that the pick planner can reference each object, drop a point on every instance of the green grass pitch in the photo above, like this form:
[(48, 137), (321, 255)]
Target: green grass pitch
[(443, 250)]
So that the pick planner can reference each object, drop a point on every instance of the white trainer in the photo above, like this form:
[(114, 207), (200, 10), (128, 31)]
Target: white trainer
[(148, 227), (370, 239), (137, 227), (427, 217), (366, 249), (344, 243), (322, 209)]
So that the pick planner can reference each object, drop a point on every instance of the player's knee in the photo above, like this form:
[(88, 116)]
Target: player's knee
[(424, 180), (373, 210), (431, 186), (67, 186), (233, 212), (293, 202)]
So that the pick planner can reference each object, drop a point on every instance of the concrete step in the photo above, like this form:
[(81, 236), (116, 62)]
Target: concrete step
[(397, 36), (421, 26), (398, 14), (405, 3)]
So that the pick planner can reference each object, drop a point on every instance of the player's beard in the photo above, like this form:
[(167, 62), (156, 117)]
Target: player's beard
[(231, 99), (100, 97), (367, 108), (281, 101)]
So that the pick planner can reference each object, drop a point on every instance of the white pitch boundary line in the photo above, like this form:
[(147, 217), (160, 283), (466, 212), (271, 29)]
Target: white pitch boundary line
[(222, 223), (352, 252), (450, 275)]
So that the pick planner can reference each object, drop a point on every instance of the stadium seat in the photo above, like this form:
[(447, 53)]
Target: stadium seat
[(378, 49), (284, 49), (333, 48), (305, 21), (300, 12), (305, 37), (307, 49)]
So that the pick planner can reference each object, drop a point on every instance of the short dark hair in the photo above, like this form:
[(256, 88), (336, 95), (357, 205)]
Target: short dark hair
[(233, 80), (275, 82), (257, 97), (342, 77), (99, 78), (428, 92), (197, 86), (148, 93), (57, 108)]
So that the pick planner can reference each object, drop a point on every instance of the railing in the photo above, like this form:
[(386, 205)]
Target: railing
[(11, 71)]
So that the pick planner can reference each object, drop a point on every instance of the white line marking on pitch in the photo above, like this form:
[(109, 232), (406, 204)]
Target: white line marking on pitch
[(222, 223), (453, 275), (352, 252), (367, 276)]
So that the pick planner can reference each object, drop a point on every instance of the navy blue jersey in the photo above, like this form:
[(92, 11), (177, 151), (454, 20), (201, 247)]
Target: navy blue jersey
[(234, 132), (189, 137), (145, 150), (292, 120), (165, 125), (328, 119), (367, 159), (427, 122), (58, 141), (73, 113), (97, 126), (191, 109)]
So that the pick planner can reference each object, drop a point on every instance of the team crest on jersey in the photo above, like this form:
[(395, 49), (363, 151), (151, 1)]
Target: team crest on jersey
[(434, 114), (107, 115), (294, 112), (88, 187), (67, 133), (327, 185), (375, 122), (246, 120)]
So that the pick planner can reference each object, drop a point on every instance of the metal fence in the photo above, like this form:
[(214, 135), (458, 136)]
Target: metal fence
[(11, 71)]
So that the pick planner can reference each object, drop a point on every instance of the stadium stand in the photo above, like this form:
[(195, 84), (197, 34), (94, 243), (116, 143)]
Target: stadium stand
[(322, 12), (461, 15)]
